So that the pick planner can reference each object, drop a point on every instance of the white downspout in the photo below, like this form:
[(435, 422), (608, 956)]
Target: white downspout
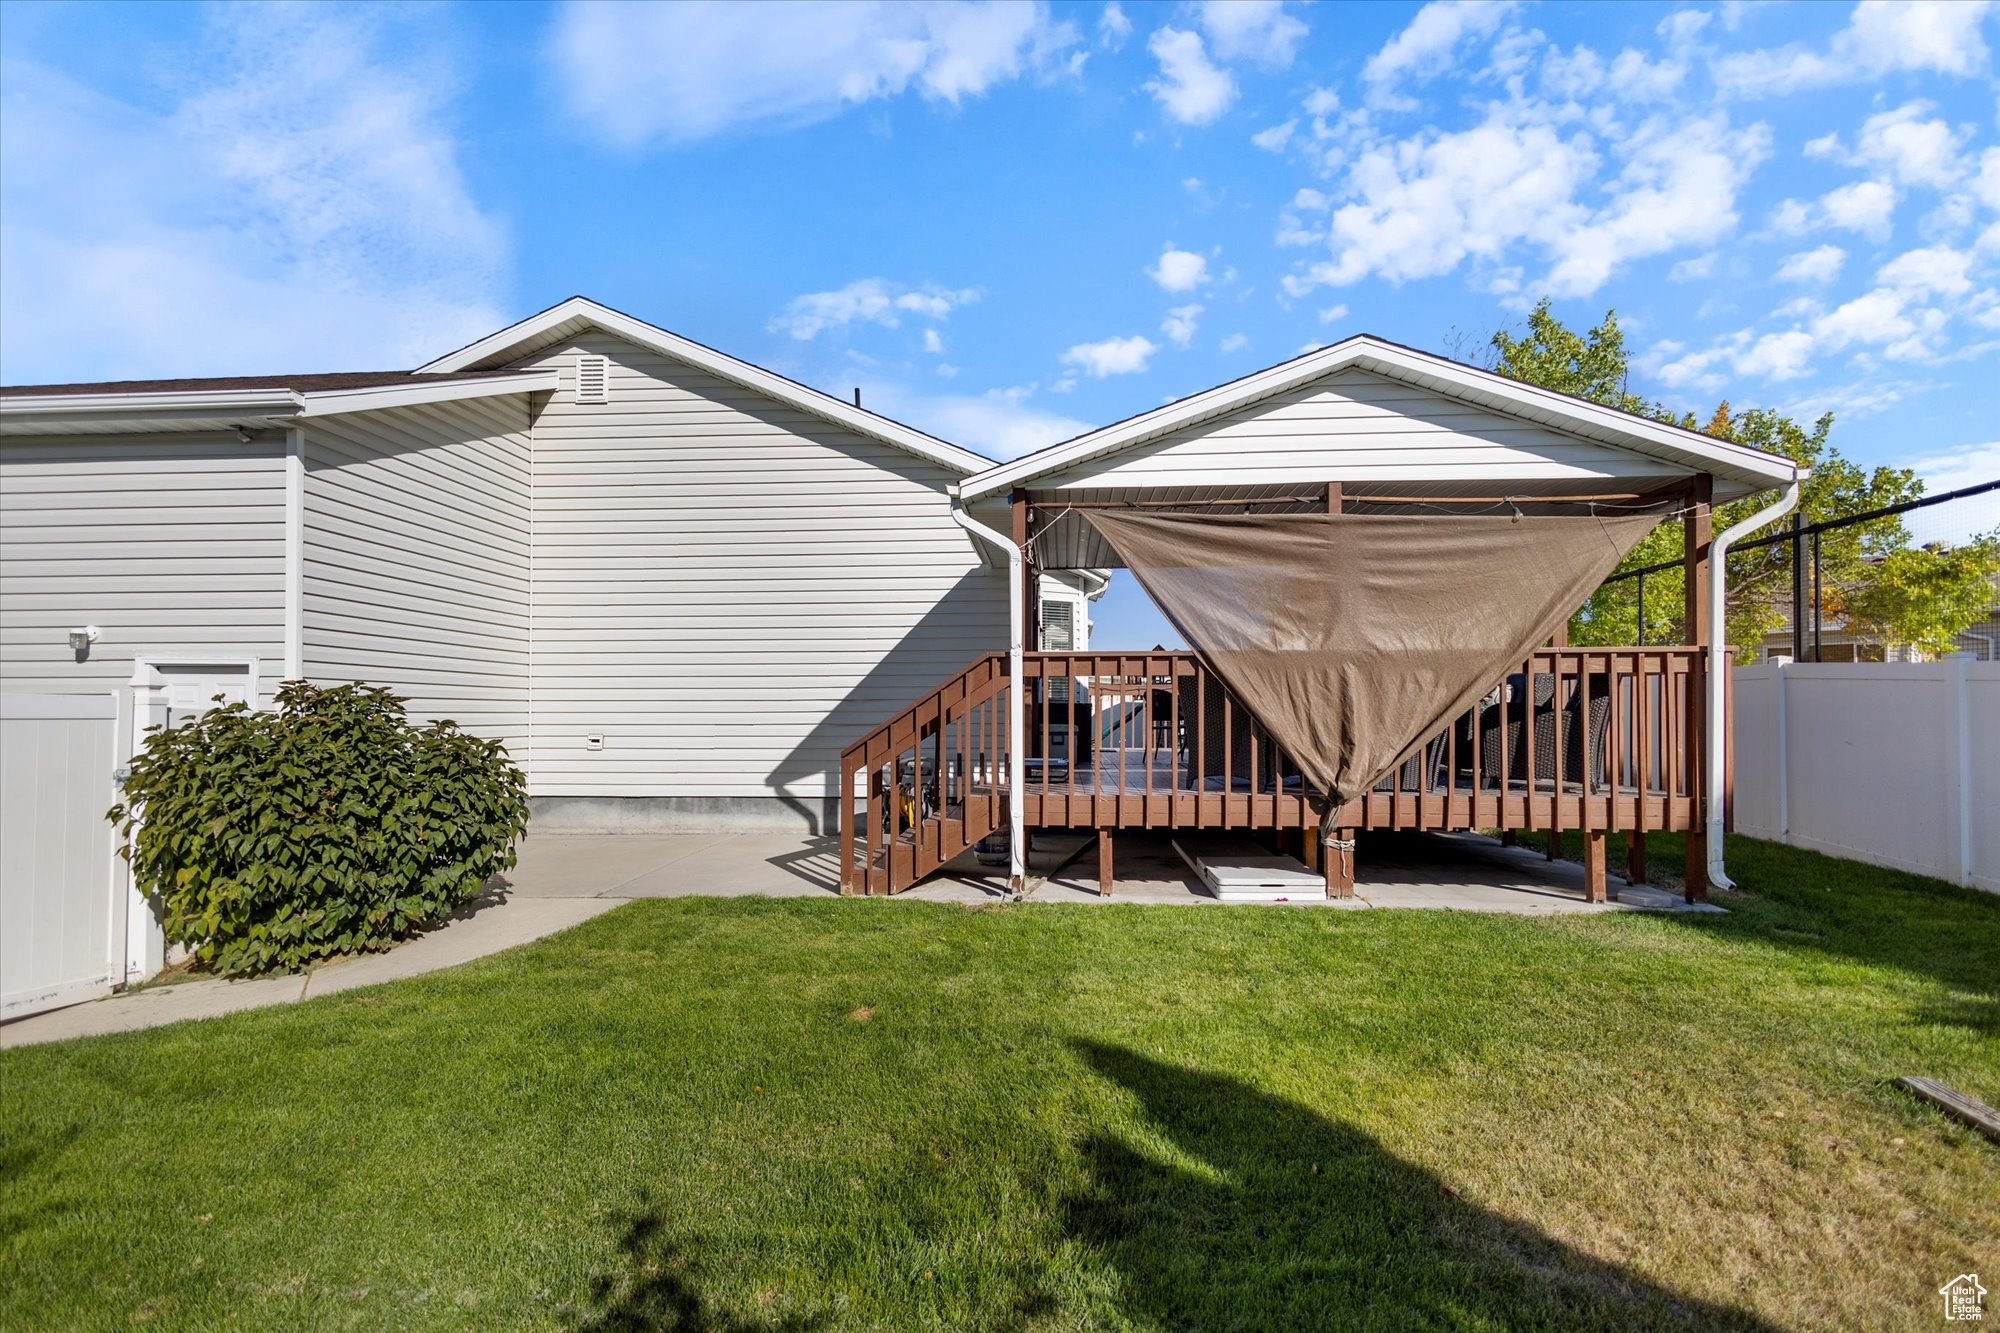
[(1017, 711), (1714, 752)]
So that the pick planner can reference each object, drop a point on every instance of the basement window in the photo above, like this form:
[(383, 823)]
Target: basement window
[(592, 379)]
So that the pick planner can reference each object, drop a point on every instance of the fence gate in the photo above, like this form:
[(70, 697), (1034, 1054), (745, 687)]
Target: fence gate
[(62, 932)]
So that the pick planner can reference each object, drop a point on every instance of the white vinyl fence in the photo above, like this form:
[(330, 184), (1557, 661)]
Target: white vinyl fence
[(62, 898), (1896, 764)]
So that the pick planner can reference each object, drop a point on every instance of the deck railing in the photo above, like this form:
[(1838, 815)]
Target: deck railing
[(1574, 738)]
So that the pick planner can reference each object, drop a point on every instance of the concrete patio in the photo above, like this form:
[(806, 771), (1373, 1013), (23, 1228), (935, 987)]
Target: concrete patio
[(1462, 871)]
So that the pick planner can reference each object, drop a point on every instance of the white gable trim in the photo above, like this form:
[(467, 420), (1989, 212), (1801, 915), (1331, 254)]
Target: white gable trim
[(332, 401), (1752, 469), (500, 346)]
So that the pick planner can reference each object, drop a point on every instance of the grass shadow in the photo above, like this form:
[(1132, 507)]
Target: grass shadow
[(654, 1287), (1279, 1218)]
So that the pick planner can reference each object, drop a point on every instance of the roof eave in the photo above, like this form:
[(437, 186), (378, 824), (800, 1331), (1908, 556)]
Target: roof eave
[(201, 405), (721, 364)]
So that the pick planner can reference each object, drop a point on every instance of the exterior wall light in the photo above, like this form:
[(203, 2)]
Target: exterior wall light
[(81, 639)]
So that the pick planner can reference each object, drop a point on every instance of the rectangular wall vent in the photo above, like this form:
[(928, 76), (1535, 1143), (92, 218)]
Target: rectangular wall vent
[(592, 379)]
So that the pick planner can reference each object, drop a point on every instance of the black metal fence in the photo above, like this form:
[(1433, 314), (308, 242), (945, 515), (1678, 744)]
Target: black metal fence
[(1855, 589)]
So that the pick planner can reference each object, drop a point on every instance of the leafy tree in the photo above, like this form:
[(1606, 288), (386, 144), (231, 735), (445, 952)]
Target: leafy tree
[(1870, 574)]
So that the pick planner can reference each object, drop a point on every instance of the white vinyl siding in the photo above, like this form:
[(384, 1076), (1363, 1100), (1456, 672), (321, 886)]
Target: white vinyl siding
[(416, 558), (1352, 426), (728, 589), (171, 545)]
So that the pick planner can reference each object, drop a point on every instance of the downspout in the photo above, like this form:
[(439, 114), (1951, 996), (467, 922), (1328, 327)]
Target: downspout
[(1714, 746), (1017, 712)]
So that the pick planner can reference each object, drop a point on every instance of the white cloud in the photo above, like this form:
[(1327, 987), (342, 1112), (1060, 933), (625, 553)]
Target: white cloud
[(1936, 270), (1420, 206), (1180, 323), (1778, 356), (302, 208), (1428, 44), (1629, 77), (1274, 139), (1907, 145), (693, 69), (866, 301), (1699, 268), (1001, 423), (1113, 356), (1881, 37), (1257, 30), (1817, 265), (1179, 270), (1332, 313), (1113, 27), (1864, 206), (1191, 88), (1234, 342), (933, 343)]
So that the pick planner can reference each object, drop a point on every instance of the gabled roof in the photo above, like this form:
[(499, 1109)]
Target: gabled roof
[(561, 322), (1742, 470)]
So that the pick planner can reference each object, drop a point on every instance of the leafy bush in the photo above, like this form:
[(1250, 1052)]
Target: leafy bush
[(329, 826)]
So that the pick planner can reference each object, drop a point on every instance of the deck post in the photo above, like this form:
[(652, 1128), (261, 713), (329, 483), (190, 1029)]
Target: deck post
[(1339, 858), (1698, 529), (1635, 856), (1554, 850), (1593, 866), (1017, 698), (1104, 863)]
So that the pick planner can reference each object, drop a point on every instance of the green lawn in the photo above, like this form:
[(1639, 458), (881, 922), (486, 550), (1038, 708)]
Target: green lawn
[(761, 1114)]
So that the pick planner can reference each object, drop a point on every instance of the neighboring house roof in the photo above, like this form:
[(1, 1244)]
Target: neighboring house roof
[(1739, 469), (564, 321), (241, 401)]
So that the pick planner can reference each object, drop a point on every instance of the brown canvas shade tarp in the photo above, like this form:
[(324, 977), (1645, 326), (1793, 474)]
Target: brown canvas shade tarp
[(1354, 638)]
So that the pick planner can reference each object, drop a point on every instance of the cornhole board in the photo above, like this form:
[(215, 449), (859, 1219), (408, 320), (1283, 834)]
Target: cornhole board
[(1236, 870)]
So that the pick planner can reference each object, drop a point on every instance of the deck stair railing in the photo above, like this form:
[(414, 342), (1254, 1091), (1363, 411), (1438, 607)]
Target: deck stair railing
[(931, 782)]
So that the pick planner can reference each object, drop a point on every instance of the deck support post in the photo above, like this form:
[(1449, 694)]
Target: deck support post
[(1104, 849), (1635, 857), (1339, 859), (1554, 850), (1698, 530), (1593, 866), (1509, 838)]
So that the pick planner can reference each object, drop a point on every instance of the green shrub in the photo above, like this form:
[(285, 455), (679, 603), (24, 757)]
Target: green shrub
[(329, 826)]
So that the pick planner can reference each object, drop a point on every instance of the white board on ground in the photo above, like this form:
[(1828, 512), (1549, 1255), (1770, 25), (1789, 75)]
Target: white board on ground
[(1236, 870)]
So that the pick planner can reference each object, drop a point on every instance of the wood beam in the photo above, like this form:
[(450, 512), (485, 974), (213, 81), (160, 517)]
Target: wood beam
[(1593, 866), (1635, 857), (1339, 867), (1332, 497), (1104, 862)]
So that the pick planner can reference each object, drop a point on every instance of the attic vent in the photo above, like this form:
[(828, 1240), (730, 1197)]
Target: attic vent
[(592, 373)]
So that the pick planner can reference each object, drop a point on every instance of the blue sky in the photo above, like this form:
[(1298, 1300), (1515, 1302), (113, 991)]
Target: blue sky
[(1009, 223)]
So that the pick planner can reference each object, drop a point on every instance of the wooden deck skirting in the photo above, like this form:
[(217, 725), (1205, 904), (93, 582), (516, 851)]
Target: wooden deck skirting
[(1593, 739)]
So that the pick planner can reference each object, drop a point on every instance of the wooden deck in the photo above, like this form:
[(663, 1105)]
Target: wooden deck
[(1593, 739)]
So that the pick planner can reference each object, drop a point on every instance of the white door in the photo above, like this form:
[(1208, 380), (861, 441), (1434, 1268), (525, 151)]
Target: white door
[(62, 936)]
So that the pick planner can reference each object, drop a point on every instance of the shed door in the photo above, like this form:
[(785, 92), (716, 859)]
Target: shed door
[(60, 941)]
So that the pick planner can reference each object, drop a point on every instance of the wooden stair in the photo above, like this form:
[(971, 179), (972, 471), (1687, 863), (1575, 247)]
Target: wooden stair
[(934, 778)]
